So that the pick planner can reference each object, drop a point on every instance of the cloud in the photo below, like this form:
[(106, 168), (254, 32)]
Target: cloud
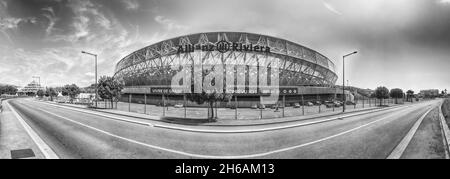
[(169, 23), (331, 8), (10, 24), (51, 18), (131, 4), (444, 1)]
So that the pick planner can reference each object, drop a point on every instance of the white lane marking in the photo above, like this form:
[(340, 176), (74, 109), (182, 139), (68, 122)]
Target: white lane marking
[(226, 156), (104, 115), (401, 147), (43, 147), (225, 131), (445, 131)]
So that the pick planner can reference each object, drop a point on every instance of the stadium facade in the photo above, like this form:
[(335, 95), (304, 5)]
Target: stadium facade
[(249, 66)]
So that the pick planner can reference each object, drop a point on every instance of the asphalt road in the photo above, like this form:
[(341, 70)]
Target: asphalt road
[(76, 134)]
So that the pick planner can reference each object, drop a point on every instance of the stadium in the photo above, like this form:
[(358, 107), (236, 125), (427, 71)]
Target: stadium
[(249, 66)]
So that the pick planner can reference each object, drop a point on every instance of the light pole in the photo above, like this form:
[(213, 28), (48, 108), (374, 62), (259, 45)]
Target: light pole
[(343, 79), (96, 89)]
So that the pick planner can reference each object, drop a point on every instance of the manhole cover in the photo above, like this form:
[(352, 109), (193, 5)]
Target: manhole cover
[(22, 153)]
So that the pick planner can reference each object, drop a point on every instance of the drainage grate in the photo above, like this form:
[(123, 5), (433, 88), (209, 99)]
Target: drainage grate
[(22, 153)]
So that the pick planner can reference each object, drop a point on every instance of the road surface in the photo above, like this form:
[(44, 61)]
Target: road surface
[(76, 134)]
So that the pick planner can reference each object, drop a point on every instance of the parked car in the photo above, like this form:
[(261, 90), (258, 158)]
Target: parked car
[(350, 103), (337, 104), (329, 104), (262, 106), (296, 105), (309, 104), (254, 106), (179, 105)]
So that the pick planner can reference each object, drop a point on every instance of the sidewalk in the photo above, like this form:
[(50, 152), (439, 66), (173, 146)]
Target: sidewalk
[(227, 122), (427, 142), (14, 138)]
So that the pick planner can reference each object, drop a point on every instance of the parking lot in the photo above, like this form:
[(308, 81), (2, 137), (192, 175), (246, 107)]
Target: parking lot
[(240, 113)]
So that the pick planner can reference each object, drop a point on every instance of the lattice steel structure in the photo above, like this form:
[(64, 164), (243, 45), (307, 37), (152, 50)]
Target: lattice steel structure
[(298, 65)]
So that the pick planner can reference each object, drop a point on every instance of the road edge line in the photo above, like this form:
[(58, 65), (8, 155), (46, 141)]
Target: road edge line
[(43, 147), (401, 147), (445, 131)]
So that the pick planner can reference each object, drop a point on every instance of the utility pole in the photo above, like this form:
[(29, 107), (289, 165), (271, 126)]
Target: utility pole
[(343, 79)]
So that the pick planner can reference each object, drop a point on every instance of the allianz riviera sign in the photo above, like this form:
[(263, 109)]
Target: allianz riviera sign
[(224, 46)]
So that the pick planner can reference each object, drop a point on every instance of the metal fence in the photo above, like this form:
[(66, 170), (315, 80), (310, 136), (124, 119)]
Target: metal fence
[(169, 108)]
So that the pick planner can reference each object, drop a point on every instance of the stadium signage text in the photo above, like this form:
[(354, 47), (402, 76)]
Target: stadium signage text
[(224, 46)]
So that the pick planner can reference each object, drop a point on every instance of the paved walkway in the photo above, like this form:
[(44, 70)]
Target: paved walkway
[(427, 142), (14, 137)]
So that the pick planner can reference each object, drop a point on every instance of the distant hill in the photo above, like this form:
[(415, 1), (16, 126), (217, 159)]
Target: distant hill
[(4, 84), (360, 92)]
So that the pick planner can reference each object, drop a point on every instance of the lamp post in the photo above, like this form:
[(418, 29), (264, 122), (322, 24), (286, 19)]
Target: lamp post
[(96, 88), (343, 79)]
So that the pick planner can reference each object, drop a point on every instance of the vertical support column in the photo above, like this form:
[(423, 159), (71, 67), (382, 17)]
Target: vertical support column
[(164, 105), (318, 100), (260, 111), (145, 103), (184, 105), (129, 102), (303, 106), (363, 101), (235, 107), (284, 103), (333, 103)]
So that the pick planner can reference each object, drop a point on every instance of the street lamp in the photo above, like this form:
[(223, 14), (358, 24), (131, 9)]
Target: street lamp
[(96, 89), (343, 79)]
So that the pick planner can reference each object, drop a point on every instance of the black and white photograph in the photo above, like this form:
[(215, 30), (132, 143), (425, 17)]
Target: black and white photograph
[(224, 79)]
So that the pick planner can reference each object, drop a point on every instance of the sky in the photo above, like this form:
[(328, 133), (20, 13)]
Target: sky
[(400, 43)]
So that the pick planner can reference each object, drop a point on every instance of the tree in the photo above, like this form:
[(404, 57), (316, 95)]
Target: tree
[(8, 89), (409, 95), (381, 93), (396, 93), (51, 92), (71, 90), (109, 88), (210, 99), (40, 93)]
